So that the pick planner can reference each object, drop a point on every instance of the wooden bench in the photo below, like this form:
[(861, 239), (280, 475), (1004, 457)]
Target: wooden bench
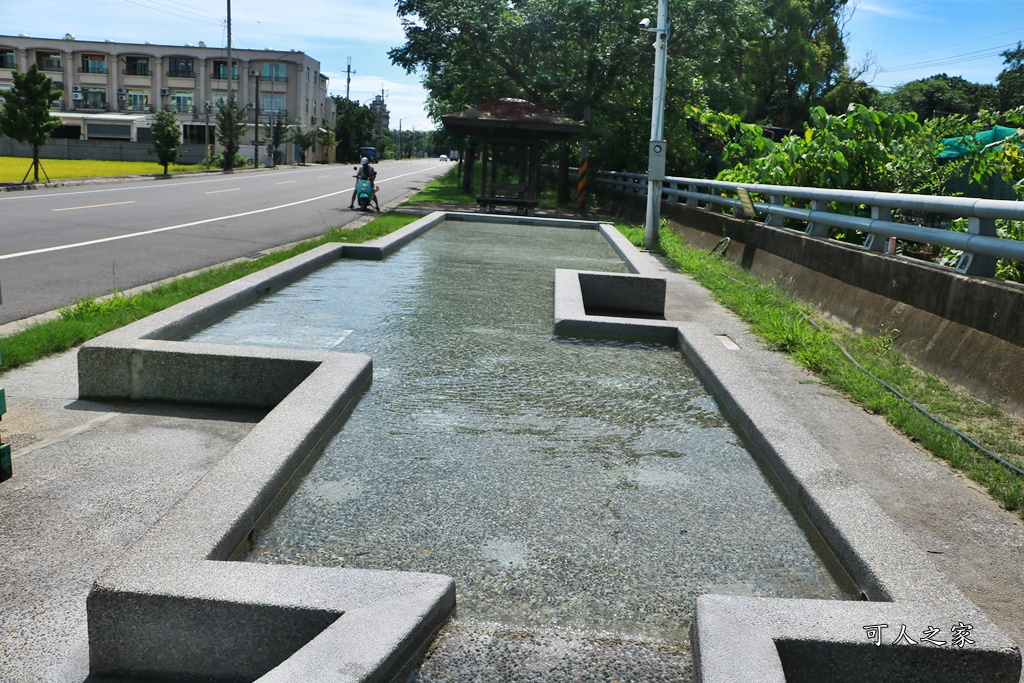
[(507, 195)]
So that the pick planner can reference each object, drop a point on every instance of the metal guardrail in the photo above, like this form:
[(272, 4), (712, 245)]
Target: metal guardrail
[(981, 246)]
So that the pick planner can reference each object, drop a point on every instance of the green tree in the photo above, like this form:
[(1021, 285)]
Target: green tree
[(327, 140), (794, 60), (940, 95), (26, 112), (586, 59), (230, 126), (276, 133), (1011, 79), (166, 138), (304, 139), (354, 127)]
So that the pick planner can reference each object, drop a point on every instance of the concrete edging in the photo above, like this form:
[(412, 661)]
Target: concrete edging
[(174, 605), (770, 640)]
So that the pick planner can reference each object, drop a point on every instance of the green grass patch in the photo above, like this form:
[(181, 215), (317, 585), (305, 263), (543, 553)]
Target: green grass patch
[(787, 326), (445, 189), (13, 169)]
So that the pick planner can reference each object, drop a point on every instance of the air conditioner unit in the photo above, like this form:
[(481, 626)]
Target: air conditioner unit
[(122, 91), (251, 105), (122, 98), (165, 91), (76, 88), (77, 96), (254, 72)]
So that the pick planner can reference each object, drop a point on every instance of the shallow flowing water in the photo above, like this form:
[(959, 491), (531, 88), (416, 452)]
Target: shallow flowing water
[(564, 484)]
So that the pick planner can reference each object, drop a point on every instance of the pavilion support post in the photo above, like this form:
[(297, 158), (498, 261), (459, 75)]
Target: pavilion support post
[(563, 174), (534, 185)]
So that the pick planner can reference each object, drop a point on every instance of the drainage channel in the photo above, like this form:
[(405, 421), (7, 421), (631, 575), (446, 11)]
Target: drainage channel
[(582, 494)]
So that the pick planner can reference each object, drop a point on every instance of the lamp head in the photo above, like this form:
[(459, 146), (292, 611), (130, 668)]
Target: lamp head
[(644, 23)]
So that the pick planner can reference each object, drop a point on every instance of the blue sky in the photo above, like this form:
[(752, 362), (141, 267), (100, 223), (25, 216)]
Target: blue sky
[(912, 39), (908, 39)]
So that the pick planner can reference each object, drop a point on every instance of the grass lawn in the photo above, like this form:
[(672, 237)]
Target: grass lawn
[(12, 169)]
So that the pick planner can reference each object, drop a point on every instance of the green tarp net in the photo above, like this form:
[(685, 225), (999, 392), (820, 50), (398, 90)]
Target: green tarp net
[(958, 147)]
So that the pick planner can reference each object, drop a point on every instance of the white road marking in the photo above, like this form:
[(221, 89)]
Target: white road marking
[(92, 206), (204, 221), (27, 196), (233, 189)]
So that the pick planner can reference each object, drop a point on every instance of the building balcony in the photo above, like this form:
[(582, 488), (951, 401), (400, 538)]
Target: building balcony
[(93, 69), (137, 71), (181, 74)]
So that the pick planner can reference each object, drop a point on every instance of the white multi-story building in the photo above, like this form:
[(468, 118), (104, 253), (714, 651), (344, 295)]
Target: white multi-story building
[(110, 90)]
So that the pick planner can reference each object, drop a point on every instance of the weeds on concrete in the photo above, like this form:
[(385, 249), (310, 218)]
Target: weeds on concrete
[(817, 344)]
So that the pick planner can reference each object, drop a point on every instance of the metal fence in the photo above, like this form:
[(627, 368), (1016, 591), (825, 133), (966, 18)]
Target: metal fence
[(981, 247)]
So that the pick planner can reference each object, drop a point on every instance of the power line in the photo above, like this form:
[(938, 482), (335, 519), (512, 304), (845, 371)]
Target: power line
[(151, 5), (953, 59), (1016, 31)]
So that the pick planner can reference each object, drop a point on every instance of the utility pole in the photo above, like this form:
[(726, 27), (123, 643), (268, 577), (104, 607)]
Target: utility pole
[(229, 49), (256, 128), (380, 122), (348, 77)]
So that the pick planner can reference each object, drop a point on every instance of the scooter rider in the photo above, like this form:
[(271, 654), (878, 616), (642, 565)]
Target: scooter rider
[(365, 172)]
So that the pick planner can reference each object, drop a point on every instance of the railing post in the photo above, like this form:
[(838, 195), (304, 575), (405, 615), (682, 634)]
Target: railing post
[(776, 220), (978, 264), (817, 229), (875, 242), (692, 201)]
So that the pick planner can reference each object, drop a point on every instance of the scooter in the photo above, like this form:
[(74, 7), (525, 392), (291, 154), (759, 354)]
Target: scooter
[(364, 191)]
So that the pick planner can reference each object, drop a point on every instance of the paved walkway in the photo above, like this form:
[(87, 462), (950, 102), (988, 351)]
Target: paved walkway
[(90, 477)]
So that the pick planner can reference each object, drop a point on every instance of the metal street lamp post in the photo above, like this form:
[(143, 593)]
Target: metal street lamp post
[(656, 155)]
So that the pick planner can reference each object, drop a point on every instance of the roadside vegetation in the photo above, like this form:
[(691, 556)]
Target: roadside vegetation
[(802, 333), (12, 169)]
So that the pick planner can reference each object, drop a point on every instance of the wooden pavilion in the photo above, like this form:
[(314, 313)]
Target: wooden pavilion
[(512, 130)]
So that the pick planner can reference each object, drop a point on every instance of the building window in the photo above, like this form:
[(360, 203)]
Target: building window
[(7, 59), (94, 98), (307, 74), (220, 70), (273, 104), (180, 67), (136, 66), (219, 100), (94, 64), (138, 100), (275, 71), (181, 101), (48, 61)]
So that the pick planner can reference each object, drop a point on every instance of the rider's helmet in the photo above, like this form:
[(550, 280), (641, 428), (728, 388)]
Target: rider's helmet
[(364, 161)]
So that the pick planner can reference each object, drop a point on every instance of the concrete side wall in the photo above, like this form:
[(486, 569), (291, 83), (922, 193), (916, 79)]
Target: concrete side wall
[(107, 150), (961, 328)]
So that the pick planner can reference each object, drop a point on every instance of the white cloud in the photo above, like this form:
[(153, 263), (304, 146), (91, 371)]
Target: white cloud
[(894, 12)]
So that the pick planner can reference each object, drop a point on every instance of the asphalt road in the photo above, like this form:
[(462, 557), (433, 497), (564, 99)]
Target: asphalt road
[(63, 244)]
